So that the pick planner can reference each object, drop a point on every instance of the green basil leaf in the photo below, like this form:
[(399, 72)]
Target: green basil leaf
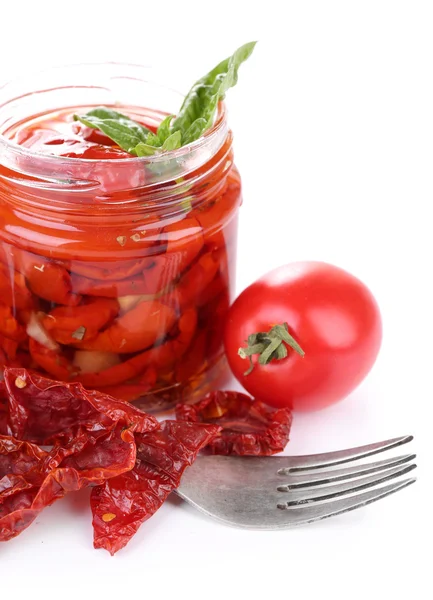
[(194, 131), (164, 129), (202, 100), (120, 128), (153, 140), (143, 149), (173, 142), (235, 61)]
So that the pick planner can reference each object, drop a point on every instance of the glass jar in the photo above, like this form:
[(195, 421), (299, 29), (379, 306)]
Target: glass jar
[(115, 272)]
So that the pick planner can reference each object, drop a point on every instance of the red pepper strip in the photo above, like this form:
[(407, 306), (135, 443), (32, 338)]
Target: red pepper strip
[(13, 363), (72, 324), (51, 361), (122, 269), (249, 427), (58, 366), (167, 354), (216, 287), (53, 283), (112, 376), (161, 271), (45, 411), (9, 326), (24, 316), (137, 329), (184, 241), (213, 219), (23, 360), (216, 308), (9, 347), (158, 271), (13, 289), (193, 282), (123, 503), (214, 315), (194, 360), (48, 280), (130, 391), (151, 275), (22, 260), (147, 283), (159, 357)]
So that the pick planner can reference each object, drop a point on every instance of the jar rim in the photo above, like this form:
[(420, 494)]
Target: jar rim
[(182, 152), (179, 152)]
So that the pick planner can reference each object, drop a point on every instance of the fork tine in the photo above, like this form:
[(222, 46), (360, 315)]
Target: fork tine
[(303, 497), (317, 512), (328, 459), (319, 477)]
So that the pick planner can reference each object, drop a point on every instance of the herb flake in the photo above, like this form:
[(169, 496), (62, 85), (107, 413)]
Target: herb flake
[(79, 333)]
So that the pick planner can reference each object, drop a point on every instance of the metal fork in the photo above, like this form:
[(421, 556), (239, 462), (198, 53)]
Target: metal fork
[(278, 492)]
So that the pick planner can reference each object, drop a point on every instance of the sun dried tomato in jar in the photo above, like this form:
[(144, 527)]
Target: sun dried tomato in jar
[(115, 271)]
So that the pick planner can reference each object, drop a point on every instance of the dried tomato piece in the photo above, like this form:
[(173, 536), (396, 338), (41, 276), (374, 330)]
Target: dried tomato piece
[(21, 474), (17, 513), (3, 410), (44, 411), (249, 427), (32, 479), (90, 460), (20, 464), (123, 503), (91, 433)]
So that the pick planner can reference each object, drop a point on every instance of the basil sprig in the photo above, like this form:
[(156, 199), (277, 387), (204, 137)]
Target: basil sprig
[(198, 109), (196, 114), (119, 128)]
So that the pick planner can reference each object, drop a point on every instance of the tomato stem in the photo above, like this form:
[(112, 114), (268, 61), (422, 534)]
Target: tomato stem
[(269, 345)]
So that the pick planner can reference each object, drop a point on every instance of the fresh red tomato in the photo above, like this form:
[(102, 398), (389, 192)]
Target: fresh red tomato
[(331, 315)]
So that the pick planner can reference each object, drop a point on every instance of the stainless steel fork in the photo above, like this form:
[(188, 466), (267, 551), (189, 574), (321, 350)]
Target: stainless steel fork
[(278, 492)]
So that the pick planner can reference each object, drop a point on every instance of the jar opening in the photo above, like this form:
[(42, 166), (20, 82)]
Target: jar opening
[(115, 84)]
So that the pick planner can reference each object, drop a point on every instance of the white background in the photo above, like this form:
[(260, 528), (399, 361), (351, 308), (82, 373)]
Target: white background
[(332, 120)]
